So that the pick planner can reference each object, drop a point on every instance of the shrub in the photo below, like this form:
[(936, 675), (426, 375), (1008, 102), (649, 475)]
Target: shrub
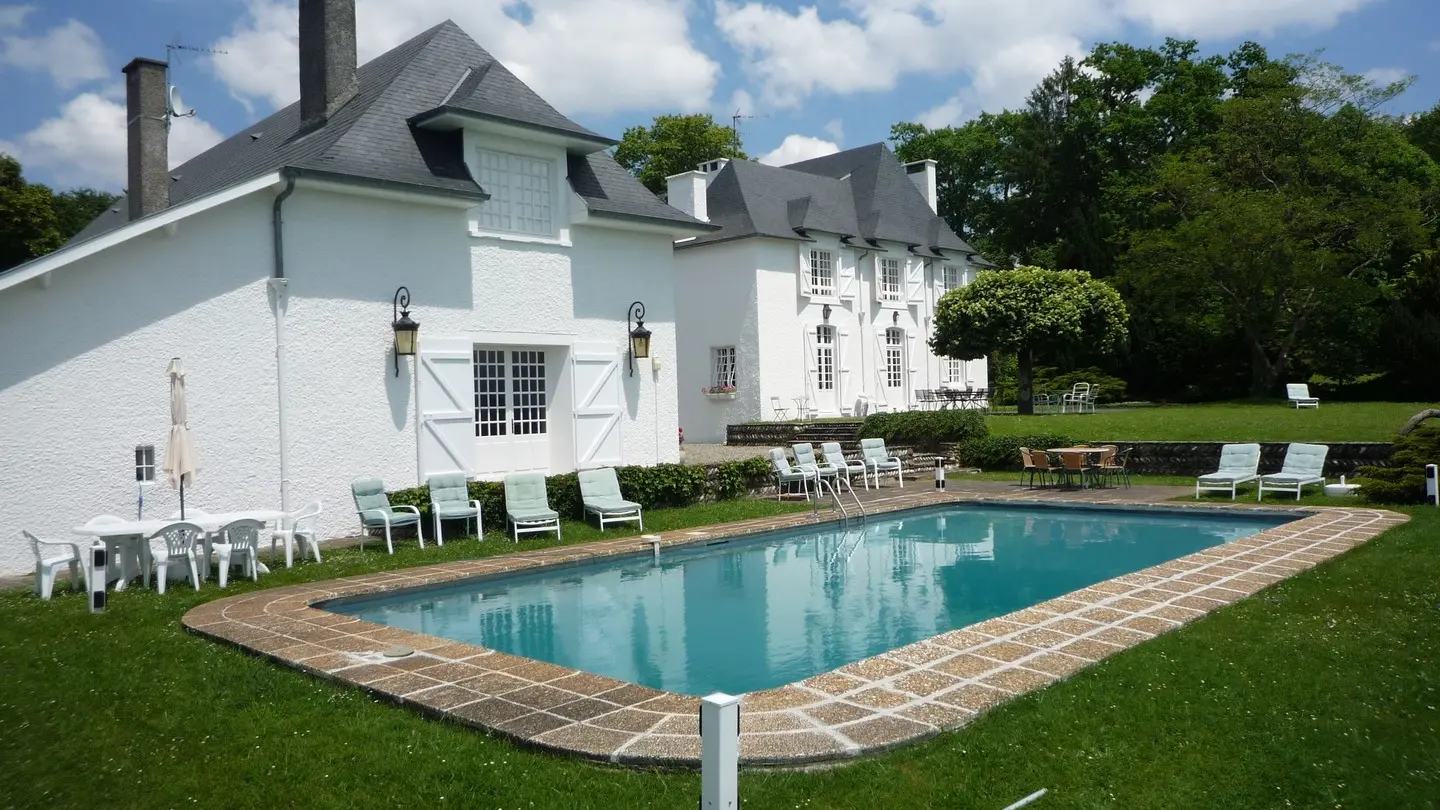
[(925, 429), (1053, 381), (1003, 452), (736, 479), (1404, 480)]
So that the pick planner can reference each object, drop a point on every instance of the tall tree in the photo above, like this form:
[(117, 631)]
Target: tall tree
[(78, 207), (28, 225), (674, 144), (1033, 313)]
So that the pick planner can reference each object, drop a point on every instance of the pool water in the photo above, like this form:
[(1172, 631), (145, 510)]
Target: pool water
[(777, 608)]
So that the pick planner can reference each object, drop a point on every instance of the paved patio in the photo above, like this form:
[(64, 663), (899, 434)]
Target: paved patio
[(898, 697)]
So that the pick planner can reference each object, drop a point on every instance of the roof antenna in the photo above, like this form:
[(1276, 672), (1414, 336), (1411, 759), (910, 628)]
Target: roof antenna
[(735, 124), (174, 106)]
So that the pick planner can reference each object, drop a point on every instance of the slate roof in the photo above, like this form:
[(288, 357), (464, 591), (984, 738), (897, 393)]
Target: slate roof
[(376, 136), (862, 193)]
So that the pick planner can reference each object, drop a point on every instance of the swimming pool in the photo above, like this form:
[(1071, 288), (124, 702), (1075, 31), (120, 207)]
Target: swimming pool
[(738, 616)]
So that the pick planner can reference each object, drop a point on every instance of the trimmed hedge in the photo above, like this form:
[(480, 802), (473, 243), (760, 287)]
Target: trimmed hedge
[(995, 453), (925, 430), (1404, 480), (663, 485)]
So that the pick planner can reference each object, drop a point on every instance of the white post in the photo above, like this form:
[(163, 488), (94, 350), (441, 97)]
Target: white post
[(720, 752), (939, 473), (280, 286), (1432, 484), (98, 572)]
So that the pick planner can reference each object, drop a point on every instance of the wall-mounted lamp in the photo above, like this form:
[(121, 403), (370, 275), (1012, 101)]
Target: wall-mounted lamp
[(639, 335), (895, 317), (825, 313), (406, 330)]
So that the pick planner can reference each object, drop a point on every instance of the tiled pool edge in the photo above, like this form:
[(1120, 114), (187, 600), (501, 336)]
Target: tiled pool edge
[(892, 699)]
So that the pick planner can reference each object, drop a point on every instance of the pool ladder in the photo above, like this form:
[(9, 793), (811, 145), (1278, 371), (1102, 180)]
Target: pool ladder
[(821, 484)]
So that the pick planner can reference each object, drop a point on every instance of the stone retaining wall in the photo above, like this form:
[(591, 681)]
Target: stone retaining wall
[(1198, 458), (782, 434)]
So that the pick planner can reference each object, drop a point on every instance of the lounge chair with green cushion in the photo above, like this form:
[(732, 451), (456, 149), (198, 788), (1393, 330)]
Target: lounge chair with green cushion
[(1304, 464), (600, 493), (1239, 463), (373, 507), (527, 505), (785, 474), (450, 500), (877, 459)]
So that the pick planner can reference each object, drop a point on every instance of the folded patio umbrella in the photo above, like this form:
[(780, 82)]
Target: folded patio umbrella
[(180, 463)]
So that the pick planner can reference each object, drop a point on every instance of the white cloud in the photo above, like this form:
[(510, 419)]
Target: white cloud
[(14, 16), (70, 52), (836, 129), (740, 102), (580, 55), (85, 143), (1386, 75), (1003, 47), (948, 113), (796, 148)]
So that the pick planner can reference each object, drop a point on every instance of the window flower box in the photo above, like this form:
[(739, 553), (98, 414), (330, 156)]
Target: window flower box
[(719, 391)]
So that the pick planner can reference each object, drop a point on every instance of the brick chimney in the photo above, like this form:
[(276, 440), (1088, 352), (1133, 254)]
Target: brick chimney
[(327, 59), (148, 141)]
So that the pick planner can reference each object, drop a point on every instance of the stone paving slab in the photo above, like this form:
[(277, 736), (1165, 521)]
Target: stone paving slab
[(897, 697)]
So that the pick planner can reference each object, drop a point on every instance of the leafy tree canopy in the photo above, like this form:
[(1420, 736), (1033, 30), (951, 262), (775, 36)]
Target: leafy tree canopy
[(35, 220), (1032, 313), (674, 144)]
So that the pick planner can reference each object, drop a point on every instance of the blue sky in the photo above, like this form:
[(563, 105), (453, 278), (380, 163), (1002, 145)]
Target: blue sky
[(816, 76)]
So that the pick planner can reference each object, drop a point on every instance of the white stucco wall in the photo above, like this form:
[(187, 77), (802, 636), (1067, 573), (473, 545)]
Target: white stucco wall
[(90, 382), (715, 300), (717, 295)]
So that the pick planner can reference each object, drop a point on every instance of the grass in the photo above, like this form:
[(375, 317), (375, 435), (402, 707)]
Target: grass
[(1231, 422), (1319, 692)]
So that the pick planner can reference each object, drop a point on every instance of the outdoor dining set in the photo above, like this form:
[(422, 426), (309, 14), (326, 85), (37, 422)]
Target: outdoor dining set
[(1072, 466)]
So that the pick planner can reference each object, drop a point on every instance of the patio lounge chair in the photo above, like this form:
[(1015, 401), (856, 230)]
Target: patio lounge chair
[(785, 474), (1304, 464), (835, 457), (1239, 463), (527, 505), (805, 460), (601, 496), (373, 507), (877, 460), (450, 500), (49, 556), (1299, 396)]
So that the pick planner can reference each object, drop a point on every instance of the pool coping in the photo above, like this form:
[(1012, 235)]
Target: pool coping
[(895, 698)]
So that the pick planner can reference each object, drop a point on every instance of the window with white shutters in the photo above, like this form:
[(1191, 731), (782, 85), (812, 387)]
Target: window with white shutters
[(723, 365), (954, 371), (949, 278), (520, 190), (822, 272), (889, 279), (825, 358), (894, 340)]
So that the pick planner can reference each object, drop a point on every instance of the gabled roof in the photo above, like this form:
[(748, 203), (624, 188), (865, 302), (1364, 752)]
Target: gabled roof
[(863, 193), (373, 138)]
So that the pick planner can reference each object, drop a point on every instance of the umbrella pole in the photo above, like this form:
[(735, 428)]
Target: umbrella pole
[(182, 497)]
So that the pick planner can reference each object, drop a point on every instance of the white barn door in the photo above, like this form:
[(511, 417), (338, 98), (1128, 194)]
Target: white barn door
[(446, 442), (599, 404)]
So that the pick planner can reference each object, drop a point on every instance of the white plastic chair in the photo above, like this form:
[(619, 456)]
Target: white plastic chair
[(291, 531), (179, 541), (239, 544), (49, 556), (206, 541)]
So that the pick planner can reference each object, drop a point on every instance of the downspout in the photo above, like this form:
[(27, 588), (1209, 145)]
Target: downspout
[(280, 285)]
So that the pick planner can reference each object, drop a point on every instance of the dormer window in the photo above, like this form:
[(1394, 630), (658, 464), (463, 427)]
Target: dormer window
[(889, 279), (521, 190), (822, 272)]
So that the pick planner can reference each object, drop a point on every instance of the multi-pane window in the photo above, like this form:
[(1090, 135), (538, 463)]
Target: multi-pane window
[(822, 272), (889, 279), (520, 190), (527, 391), (490, 416), (145, 463), (723, 375), (949, 278), (825, 358), (954, 371), (893, 340)]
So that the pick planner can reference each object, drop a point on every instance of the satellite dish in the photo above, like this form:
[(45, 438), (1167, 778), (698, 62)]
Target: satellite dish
[(177, 107)]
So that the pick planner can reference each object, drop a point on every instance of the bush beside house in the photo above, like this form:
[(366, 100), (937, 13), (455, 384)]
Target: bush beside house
[(925, 430), (1404, 480), (996, 453)]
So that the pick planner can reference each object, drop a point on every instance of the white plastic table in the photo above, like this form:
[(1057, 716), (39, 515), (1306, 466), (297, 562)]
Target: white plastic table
[(112, 533)]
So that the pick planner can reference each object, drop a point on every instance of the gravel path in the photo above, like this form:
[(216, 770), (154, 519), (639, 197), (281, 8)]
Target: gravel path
[(719, 453)]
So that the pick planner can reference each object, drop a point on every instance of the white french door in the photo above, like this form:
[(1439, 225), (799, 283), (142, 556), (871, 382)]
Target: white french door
[(512, 428)]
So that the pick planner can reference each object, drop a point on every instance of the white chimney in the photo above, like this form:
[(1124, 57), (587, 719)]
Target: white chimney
[(713, 167), (922, 174), (686, 191)]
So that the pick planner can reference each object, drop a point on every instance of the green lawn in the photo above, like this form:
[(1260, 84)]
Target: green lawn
[(1231, 422), (1319, 692)]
